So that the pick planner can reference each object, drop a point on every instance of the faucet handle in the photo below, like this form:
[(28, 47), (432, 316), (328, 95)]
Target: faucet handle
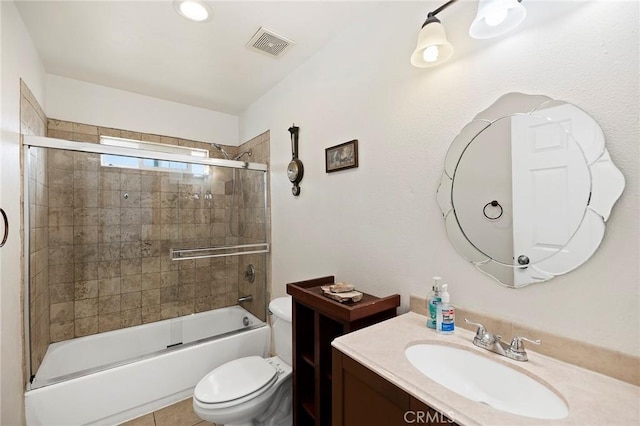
[(518, 346), (481, 331)]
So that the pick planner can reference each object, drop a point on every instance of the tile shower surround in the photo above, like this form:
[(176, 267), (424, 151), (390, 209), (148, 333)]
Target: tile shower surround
[(110, 231)]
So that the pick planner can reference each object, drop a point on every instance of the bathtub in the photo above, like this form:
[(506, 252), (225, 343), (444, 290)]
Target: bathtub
[(111, 377)]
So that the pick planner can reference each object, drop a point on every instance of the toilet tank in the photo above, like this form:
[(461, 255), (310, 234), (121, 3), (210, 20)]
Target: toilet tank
[(281, 323)]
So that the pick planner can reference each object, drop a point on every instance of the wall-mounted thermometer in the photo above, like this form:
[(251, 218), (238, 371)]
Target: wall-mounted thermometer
[(295, 169)]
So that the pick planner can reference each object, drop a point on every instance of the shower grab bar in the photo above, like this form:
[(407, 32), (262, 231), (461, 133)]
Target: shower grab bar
[(207, 252)]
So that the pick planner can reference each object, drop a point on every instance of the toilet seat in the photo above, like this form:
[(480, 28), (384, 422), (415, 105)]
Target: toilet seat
[(236, 382)]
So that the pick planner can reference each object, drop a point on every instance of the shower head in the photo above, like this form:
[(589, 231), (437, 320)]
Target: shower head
[(239, 156), (221, 149), (227, 156)]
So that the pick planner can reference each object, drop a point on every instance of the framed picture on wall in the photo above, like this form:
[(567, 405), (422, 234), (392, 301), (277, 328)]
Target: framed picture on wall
[(341, 157)]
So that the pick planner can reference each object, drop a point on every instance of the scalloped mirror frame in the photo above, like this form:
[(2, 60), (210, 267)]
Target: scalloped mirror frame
[(607, 184)]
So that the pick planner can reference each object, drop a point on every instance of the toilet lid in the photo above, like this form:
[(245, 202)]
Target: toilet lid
[(234, 380)]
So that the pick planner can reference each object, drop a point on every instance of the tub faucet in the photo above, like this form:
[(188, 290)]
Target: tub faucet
[(493, 343)]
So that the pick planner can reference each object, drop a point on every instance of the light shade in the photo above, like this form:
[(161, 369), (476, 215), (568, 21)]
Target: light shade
[(433, 48), (195, 10), (496, 17)]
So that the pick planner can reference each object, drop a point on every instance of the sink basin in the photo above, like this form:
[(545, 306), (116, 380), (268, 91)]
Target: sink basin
[(488, 382)]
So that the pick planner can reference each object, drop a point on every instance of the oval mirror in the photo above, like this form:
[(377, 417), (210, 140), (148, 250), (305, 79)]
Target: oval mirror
[(527, 188)]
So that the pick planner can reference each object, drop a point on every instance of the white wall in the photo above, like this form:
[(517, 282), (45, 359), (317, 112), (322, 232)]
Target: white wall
[(78, 101), (19, 60), (379, 226)]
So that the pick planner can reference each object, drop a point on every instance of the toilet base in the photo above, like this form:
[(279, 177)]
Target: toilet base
[(279, 412)]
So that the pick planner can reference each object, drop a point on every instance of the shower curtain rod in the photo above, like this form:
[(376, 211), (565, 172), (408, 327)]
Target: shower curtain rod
[(94, 148)]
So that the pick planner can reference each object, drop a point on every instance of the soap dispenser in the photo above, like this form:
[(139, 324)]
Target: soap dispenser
[(445, 313), (433, 299)]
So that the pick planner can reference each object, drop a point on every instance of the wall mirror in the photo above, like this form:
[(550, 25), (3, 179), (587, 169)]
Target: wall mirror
[(527, 188)]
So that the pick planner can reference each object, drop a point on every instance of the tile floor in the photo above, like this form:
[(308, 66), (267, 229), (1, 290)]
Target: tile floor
[(178, 414)]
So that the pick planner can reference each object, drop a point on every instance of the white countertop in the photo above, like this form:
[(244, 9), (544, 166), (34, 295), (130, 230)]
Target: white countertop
[(592, 398)]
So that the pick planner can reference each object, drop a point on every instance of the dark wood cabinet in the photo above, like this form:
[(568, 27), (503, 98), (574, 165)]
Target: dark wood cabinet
[(317, 320), (361, 397)]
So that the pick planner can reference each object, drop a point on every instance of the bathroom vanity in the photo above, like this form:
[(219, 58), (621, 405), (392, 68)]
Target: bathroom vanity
[(374, 383), (363, 397)]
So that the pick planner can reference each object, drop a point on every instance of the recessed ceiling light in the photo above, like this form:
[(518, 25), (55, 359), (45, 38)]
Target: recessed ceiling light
[(195, 10)]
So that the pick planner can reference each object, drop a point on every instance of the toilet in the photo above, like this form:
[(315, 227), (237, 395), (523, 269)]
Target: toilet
[(252, 391)]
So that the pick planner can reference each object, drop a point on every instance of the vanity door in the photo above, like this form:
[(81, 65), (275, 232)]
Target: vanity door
[(361, 397)]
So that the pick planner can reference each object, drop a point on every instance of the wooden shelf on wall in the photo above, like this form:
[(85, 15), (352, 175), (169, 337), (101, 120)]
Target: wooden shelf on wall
[(317, 320)]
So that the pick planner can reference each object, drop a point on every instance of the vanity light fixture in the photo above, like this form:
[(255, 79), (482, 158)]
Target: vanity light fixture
[(194, 10), (432, 48), (496, 17)]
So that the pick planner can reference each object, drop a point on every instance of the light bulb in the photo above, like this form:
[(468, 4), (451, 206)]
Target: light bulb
[(194, 10), (431, 53), (496, 17)]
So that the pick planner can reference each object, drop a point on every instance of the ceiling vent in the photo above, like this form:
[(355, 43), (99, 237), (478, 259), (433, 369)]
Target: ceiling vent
[(270, 43)]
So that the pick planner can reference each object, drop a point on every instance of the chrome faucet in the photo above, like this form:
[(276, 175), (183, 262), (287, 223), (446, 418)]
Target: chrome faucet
[(493, 343)]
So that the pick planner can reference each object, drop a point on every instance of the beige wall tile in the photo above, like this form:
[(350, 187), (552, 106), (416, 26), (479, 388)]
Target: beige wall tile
[(131, 317), (58, 159), (87, 271), (61, 312), (86, 289), (108, 322), (169, 310), (85, 128), (108, 305), (59, 125), (83, 253), (60, 178), (62, 331), (150, 265), (150, 297), (109, 286), (59, 274), (85, 216), (151, 138), (60, 134), (130, 250), (85, 235), (85, 179), (151, 281), (85, 198), (131, 283), (109, 269), (131, 135), (86, 326), (83, 161), (61, 292), (59, 217), (105, 131), (130, 301), (85, 308), (150, 314)]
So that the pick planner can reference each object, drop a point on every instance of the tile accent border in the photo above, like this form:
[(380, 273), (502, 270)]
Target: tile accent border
[(611, 363)]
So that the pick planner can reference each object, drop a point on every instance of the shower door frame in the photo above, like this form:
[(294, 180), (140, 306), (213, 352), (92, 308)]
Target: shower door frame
[(30, 141)]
